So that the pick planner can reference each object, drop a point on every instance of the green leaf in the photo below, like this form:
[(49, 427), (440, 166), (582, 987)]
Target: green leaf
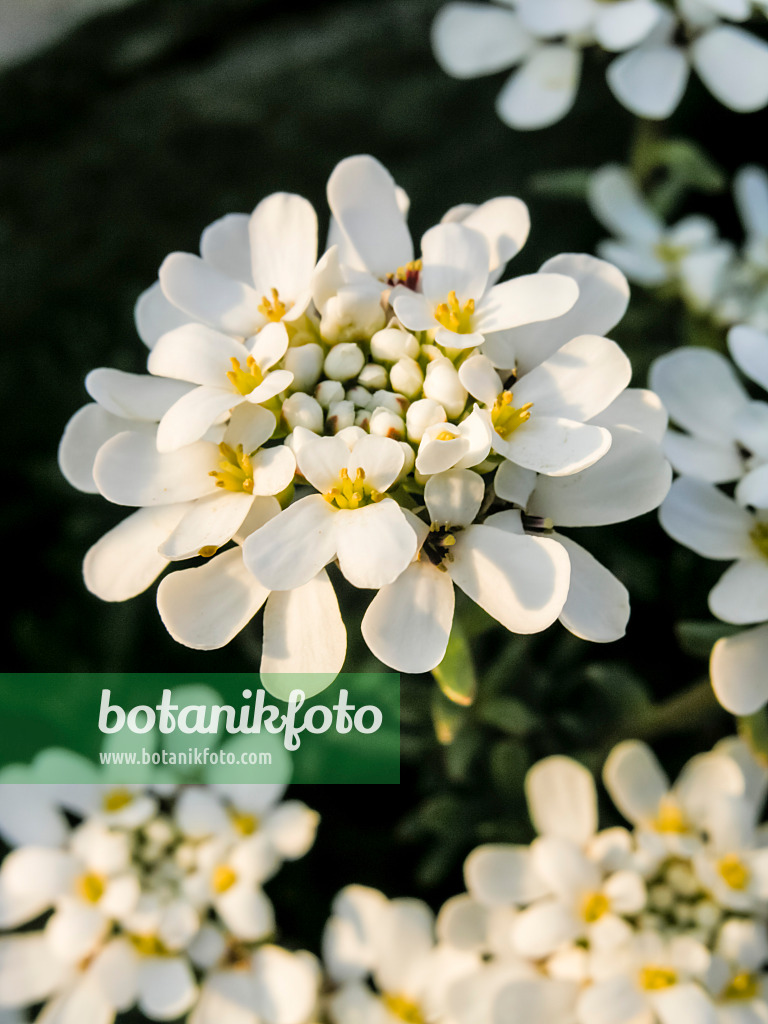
[(567, 184), (509, 715), (697, 639), (455, 675)]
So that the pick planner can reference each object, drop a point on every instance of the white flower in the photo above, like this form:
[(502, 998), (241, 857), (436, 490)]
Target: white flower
[(737, 668)]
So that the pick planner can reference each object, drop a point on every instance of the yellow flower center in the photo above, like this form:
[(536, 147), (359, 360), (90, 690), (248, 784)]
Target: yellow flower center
[(455, 317), (91, 887), (654, 978), (593, 906), (148, 945), (245, 380), (670, 254), (742, 986), (223, 878), (116, 800), (734, 872), (759, 537), (406, 1009), (245, 824), (670, 818), (235, 473), (273, 309), (506, 418), (350, 493)]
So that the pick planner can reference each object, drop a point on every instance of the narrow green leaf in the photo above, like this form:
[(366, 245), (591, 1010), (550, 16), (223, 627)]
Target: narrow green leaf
[(455, 675)]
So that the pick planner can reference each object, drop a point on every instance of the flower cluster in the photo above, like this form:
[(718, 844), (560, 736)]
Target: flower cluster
[(723, 440), (665, 922), (413, 420), (689, 258), (657, 43), (152, 897)]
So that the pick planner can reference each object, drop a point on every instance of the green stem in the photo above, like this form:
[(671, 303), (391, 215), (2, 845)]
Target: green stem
[(754, 730), (688, 711)]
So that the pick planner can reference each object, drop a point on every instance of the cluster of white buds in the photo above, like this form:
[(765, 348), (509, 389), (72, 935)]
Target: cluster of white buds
[(664, 923), (149, 897), (413, 420)]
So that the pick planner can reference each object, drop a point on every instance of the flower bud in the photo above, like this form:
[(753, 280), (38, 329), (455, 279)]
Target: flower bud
[(305, 363), (302, 410), (386, 423), (344, 361), (363, 418), (391, 401), (408, 462), (360, 397), (423, 414), (352, 315), (373, 377), (443, 385), (392, 344), (406, 377), (340, 415), (329, 392)]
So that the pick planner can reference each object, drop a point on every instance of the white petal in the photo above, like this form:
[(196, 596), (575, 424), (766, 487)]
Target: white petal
[(626, 24), (462, 922), (374, 544), (414, 311), (129, 470), (125, 561), (749, 350), (597, 607), (687, 1002), (741, 594), (543, 91), (635, 781), (154, 315), (204, 608), (579, 381), (31, 879), (480, 379), (408, 623), (649, 81), (702, 518), (536, 1000), (626, 892), (208, 295), (283, 233), (193, 415), (133, 395), (89, 428), (456, 259), (380, 458), (29, 971), (226, 246), (637, 408), (167, 987), (521, 581), (562, 800), (525, 300), (321, 461), (543, 928), (708, 408), (500, 875), (75, 929), (737, 667), (304, 631), (292, 548), (197, 354), (548, 18), (286, 985), (592, 497), (750, 193), (246, 912), (454, 497), (602, 302), (513, 483), (707, 460), (617, 203), (505, 223), (614, 1000), (363, 200), (638, 261), (733, 64), (752, 489), (209, 523), (471, 39), (555, 446), (84, 1002), (291, 828), (26, 821)]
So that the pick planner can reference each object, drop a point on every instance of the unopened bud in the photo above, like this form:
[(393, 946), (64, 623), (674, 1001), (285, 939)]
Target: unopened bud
[(406, 377), (360, 397), (363, 418), (302, 410), (423, 414), (329, 392), (352, 315), (408, 461), (443, 385), (306, 364), (391, 401), (344, 361), (374, 377), (340, 415), (392, 344), (386, 423)]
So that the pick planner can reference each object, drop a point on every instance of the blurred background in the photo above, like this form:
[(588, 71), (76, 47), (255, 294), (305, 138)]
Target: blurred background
[(126, 127)]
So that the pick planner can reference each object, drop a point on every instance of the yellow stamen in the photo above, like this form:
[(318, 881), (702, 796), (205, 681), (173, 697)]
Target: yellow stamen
[(404, 1008), (408, 271), (453, 316), (91, 887), (245, 381), (275, 309), (654, 978), (245, 824), (670, 817), (208, 551), (352, 494), (742, 986), (235, 473), (223, 878), (148, 945), (734, 872), (759, 537), (506, 418), (594, 906), (446, 435), (116, 800), (670, 254)]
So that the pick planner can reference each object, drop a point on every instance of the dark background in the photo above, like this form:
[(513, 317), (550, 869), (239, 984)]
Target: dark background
[(119, 145)]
